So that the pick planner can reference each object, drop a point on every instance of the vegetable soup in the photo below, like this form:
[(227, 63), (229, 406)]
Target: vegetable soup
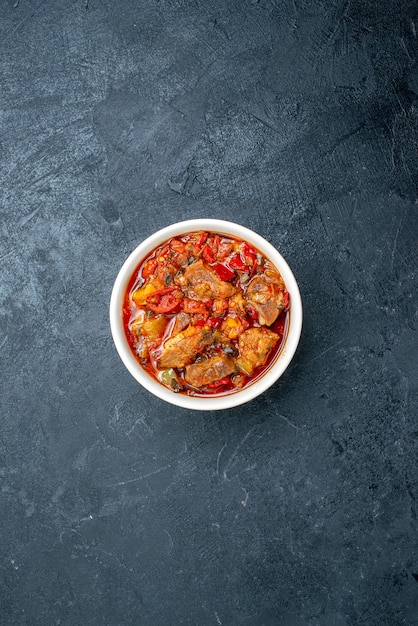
[(206, 314)]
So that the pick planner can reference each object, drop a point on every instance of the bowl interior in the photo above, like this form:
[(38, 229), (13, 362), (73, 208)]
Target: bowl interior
[(236, 398)]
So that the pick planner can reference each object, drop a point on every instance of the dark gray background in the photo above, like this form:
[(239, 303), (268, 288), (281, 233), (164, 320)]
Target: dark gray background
[(299, 119)]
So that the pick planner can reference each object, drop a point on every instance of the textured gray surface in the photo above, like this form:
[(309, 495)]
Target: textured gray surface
[(297, 118)]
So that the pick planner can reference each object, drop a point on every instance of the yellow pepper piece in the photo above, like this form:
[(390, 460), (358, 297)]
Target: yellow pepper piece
[(154, 327), (232, 322), (244, 366), (140, 295)]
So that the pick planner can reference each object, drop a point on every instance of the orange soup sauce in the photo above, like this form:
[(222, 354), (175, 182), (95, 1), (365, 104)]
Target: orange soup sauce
[(188, 308)]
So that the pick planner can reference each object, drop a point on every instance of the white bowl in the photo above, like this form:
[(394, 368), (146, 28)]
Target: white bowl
[(236, 398)]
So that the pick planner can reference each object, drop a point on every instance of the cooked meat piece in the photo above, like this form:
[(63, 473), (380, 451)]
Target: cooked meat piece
[(182, 321), (255, 345), (200, 281), (181, 259), (206, 372), (267, 299), (184, 347)]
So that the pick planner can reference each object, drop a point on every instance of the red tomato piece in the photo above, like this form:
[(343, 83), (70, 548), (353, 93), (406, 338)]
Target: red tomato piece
[(193, 307), (168, 303), (237, 263), (214, 322), (223, 271), (201, 240), (164, 300), (208, 254)]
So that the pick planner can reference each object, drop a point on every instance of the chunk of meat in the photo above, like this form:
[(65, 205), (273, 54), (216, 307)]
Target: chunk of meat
[(255, 344), (181, 322), (184, 347), (267, 299), (207, 372), (200, 281)]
